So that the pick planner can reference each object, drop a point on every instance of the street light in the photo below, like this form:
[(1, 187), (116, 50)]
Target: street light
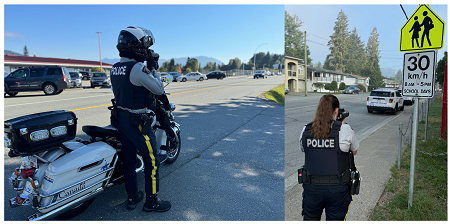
[(254, 57), (100, 50)]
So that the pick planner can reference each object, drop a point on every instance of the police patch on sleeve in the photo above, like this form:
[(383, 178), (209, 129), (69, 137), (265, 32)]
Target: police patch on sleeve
[(145, 70)]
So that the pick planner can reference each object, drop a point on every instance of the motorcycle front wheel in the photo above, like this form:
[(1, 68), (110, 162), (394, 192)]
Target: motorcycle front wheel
[(75, 211), (174, 149)]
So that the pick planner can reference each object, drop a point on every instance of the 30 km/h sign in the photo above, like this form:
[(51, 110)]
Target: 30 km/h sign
[(424, 30), (418, 74)]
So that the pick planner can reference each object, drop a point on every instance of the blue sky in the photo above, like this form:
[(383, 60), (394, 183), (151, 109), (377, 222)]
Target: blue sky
[(219, 31), (388, 19)]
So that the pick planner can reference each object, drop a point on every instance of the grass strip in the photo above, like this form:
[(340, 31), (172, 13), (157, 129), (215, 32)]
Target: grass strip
[(275, 94), (430, 182)]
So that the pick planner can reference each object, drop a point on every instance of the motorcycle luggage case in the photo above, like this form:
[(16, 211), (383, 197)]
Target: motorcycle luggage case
[(77, 173), (34, 133)]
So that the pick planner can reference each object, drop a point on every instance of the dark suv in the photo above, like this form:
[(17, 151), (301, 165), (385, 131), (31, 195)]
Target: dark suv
[(50, 79), (216, 75), (86, 75)]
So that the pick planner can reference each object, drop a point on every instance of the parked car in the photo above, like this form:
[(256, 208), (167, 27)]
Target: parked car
[(100, 79), (174, 75), (86, 75), (407, 100), (76, 79), (197, 76), (260, 73), (216, 75), (50, 79), (385, 99), (286, 91), (351, 90)]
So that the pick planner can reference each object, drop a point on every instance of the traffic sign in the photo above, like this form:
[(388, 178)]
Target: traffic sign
[(424, 30), (418, 74)]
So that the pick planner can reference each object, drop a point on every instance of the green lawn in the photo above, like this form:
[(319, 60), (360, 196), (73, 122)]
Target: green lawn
[(430, 182)]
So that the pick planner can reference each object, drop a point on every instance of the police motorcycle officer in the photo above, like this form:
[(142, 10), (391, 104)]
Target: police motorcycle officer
[(329, 145), (135, 89)]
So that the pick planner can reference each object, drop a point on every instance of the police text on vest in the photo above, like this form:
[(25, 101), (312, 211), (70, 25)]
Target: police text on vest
[(320, 143), (118, 70)]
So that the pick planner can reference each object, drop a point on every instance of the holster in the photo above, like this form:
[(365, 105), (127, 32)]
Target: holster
[(146, 123), (355, 178), (114, 114), (355, 182), (303, 177)]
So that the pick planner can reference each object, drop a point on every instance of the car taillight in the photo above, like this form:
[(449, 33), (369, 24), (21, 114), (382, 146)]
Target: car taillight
[(27, 172), (64, 78), (391, 100), (367, 98)]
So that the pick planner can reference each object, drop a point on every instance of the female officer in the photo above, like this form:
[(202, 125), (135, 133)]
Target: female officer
[(327, 143)]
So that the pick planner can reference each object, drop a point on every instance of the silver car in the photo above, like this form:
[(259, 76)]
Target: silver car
[(197, 76), (76, 79), (100, 79)]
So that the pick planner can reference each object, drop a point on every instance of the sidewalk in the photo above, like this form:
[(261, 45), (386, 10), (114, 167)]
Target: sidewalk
[(376, 155)]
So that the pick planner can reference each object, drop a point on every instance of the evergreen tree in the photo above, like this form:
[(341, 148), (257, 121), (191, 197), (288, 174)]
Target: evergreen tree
[(25, 50), (338, 43), (356, 54), (441, 69), (372, 68), (294, 38)]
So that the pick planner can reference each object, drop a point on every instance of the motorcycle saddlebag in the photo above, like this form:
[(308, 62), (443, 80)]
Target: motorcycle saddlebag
[(34, 133)]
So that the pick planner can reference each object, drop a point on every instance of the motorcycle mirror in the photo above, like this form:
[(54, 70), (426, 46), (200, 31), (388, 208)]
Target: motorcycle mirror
[(168, 79)]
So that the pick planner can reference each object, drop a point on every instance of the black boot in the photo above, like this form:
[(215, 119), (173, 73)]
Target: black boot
[(133, 200), (154, 204)]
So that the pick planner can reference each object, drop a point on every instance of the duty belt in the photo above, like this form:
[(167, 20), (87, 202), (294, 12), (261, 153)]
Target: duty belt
[(136, 111), (325, 180)]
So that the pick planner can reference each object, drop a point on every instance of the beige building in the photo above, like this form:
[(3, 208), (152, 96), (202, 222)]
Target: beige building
[(294, 77)]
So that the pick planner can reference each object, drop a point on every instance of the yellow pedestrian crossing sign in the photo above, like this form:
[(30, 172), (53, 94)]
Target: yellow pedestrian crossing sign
[(424, 30)]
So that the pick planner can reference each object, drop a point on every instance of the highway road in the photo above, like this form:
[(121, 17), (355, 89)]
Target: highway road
[(231, 165)]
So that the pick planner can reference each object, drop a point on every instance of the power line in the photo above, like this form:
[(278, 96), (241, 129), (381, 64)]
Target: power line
[(390, 61), (317, 43), (327, 39)]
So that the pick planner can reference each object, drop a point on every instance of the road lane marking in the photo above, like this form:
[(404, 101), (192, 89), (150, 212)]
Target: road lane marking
[(84, 108), (49, 101), (191, 91)]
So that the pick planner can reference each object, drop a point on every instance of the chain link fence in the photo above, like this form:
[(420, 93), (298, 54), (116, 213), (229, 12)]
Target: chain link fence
[(406, 136)]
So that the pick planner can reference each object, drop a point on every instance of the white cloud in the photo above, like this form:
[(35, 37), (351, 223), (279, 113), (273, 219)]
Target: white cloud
[(14, 35)]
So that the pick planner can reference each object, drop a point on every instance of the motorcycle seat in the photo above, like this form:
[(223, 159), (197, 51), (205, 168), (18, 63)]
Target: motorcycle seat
[(95, 131)]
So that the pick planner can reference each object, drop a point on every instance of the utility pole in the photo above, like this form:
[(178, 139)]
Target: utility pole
[(306, 69), (100, 50)]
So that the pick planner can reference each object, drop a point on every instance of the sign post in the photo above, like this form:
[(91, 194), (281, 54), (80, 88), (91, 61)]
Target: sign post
[(421, 35)]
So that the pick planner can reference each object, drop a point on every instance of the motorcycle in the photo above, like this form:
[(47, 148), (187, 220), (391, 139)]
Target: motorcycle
[(60, 177)]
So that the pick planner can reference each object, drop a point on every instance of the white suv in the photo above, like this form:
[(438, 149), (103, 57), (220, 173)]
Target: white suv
[(385, 99)]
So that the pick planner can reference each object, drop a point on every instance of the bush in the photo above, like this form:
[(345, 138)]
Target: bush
[(334, 86), (318, 86), (342, 86), (327, 86), (361, 87)]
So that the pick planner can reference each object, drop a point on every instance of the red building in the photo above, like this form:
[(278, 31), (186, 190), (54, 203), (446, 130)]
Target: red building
[(14, 62)]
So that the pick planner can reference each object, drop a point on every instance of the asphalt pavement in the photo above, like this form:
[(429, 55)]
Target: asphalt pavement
[(231, 165), (378, 135)]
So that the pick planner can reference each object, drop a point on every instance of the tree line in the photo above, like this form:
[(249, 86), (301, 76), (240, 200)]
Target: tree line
[(348, 53), (263, 60)]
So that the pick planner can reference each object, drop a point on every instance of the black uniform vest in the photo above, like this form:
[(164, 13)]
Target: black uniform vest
[(126, 94), (324, 156)]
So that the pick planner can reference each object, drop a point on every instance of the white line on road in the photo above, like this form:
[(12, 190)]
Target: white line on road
[(57, 100)]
